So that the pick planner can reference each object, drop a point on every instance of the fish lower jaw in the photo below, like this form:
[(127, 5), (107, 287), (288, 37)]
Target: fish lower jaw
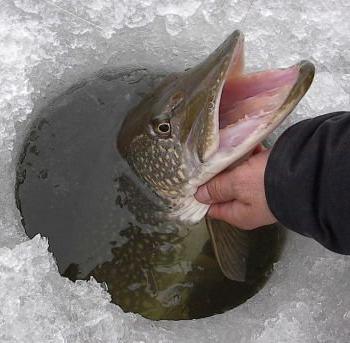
[(189, 211)]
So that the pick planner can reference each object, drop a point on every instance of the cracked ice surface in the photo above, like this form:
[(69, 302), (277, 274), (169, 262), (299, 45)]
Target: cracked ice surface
[(46, 46)]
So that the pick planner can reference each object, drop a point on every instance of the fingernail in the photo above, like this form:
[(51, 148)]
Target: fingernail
[(202, 195)]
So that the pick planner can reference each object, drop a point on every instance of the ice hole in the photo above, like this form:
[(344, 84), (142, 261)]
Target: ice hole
[(73, 187)]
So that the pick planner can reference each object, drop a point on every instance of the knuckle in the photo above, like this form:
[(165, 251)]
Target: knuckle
[(215, 190)]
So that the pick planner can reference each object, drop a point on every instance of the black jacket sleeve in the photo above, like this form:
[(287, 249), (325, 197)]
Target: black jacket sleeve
[(307, 180)]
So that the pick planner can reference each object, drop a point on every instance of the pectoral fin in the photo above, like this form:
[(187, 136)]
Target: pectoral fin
[(231, 248)]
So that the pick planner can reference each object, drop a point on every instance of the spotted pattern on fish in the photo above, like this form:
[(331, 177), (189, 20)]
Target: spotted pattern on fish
[(162, 166), (133, 279)]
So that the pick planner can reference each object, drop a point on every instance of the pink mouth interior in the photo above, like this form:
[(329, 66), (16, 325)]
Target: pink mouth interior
[(250, 100)]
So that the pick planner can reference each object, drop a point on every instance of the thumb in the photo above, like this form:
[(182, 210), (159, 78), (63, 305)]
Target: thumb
[(221, 188)]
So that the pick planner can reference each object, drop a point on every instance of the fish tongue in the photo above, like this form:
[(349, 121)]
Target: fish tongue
[(255, 111), (234, 135), (262, 103), (250, 101)]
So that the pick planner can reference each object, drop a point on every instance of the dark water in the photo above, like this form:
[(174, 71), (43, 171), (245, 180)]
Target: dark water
[(71, 188)]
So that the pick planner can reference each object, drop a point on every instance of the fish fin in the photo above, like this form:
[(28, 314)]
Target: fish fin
[(230, 246), (151, 282)]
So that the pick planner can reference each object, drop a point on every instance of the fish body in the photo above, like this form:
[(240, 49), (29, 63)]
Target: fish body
[(154, 273), (199, 122)]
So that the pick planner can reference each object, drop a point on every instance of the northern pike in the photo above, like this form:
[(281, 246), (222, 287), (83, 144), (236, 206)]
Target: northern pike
[(197, 123)]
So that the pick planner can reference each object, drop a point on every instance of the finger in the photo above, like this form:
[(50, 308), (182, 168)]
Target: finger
[(222, 188), (235, 213)]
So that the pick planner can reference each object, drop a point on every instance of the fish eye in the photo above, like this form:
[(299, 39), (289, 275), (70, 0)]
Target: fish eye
[(163, 128)]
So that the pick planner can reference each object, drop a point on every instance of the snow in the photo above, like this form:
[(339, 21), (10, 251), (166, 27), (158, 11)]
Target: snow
[(46, 46)]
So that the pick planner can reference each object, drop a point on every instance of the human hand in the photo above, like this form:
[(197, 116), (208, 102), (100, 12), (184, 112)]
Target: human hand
[(237, 196)]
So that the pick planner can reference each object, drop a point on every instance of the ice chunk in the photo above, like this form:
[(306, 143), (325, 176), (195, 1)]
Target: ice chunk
[(32, 294), (174, 24), (185, 8), (46, 46)]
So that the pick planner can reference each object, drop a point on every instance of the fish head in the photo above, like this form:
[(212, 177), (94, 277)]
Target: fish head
[(199, 122)]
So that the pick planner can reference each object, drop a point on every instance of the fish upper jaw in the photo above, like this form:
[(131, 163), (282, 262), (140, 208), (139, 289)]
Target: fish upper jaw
[(204, 86)]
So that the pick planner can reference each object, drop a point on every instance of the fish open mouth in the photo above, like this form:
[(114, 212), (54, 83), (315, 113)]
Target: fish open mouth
[(249, 101), (251, 105), (228, 112)]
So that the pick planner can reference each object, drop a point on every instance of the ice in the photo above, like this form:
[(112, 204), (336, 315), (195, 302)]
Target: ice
[(46, 46)]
